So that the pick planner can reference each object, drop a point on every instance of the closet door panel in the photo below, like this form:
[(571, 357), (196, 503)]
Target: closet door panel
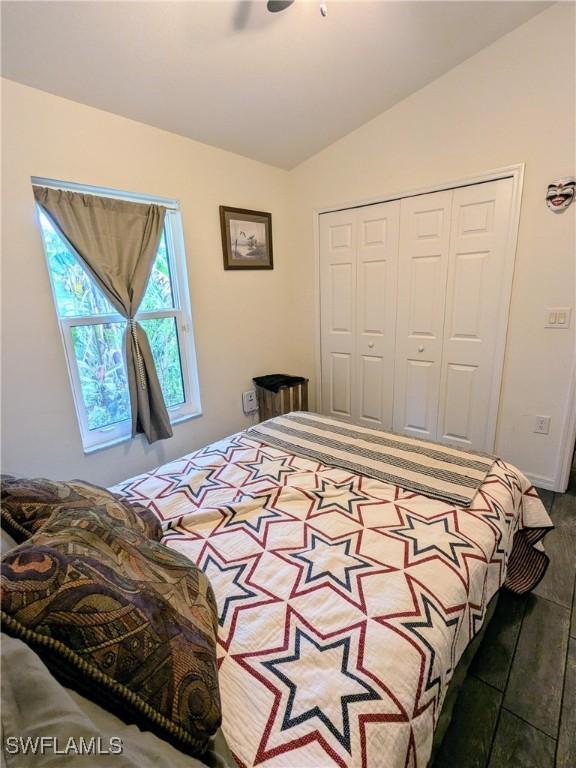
[(340, 384), (338, 312), (422, 275), (340, 280), (480, 224), (418, 403), (377, 249), (371, 372), (459, 390)]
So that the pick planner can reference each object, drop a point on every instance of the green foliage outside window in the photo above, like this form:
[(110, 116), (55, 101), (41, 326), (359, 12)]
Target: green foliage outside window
[(99, 348)]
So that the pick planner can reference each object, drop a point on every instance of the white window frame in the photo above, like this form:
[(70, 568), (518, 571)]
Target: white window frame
[(96, 439)]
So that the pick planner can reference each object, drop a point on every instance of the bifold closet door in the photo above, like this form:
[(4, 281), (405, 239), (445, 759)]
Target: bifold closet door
[(338, 311), (413, 303), (377, 238), (475, 305), (359, 251), (422, 277)]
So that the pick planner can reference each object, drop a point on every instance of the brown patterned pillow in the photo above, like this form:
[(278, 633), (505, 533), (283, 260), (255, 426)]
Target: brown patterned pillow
[(27, 504), (122, 619)]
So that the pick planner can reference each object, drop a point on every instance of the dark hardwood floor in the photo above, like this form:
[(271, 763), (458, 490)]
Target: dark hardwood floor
[(517, 707)]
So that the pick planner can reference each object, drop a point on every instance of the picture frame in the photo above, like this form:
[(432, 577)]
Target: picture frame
[(246, 238)]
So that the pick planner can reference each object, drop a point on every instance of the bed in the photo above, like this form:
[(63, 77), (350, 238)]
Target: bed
[(345, 601)]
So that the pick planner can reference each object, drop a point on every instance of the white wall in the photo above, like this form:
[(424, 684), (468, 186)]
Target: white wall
[(242, 321), (511, 103)]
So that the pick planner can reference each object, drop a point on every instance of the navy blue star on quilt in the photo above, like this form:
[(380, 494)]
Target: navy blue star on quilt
[(432, 535), (320, 657), (430, 633), (224, 448), (507, 478), (234, 589), (195, 484), (253, 517), (271, 468), (494, 514), (331, 563), (337, 496)]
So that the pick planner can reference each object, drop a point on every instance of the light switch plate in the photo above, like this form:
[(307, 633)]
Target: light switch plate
[(558, 317)]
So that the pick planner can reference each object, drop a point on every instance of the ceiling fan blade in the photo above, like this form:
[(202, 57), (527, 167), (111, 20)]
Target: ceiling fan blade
[(278, 5)]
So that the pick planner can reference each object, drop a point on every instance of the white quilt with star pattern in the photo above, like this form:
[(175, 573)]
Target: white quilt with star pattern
[(344, 603)]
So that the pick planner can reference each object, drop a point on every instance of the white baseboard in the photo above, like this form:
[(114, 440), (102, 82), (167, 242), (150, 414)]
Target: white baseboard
[(548, 483)]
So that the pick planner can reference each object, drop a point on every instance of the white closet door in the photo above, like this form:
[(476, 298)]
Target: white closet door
[(422, 274), (377, 239), (338, 311), (474, 303)]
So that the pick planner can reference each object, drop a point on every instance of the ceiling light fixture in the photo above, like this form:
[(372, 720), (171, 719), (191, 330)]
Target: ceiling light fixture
[(275, 6)]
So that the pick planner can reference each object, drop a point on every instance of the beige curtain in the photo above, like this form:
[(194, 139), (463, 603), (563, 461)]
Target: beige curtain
[(117, 242)]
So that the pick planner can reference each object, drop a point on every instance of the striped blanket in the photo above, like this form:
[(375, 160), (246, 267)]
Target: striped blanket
[(437, 471)]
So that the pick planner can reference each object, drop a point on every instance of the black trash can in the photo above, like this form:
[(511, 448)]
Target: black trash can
[(279, 393)]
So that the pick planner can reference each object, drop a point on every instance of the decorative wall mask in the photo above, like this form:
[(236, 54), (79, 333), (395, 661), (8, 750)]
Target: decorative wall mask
[(560, 194)]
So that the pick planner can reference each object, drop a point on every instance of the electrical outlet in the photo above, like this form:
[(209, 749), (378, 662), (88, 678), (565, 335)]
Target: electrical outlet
[(542, 425), (249, 401)]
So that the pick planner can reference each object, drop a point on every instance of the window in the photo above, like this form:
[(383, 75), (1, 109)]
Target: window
[(93, 332)]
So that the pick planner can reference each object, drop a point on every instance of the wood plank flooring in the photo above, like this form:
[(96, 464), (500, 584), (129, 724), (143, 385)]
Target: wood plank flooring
[(517, 707)]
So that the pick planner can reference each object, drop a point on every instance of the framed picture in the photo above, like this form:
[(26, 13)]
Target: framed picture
[(246, 238)]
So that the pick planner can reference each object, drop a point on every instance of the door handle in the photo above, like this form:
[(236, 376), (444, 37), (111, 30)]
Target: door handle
[(370, 345), (420, 349)]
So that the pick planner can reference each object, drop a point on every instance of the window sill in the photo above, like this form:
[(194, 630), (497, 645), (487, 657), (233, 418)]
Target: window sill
[(128, 437)]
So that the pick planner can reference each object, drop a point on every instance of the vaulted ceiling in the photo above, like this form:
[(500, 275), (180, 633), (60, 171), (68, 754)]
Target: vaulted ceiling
[(274, 87)]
